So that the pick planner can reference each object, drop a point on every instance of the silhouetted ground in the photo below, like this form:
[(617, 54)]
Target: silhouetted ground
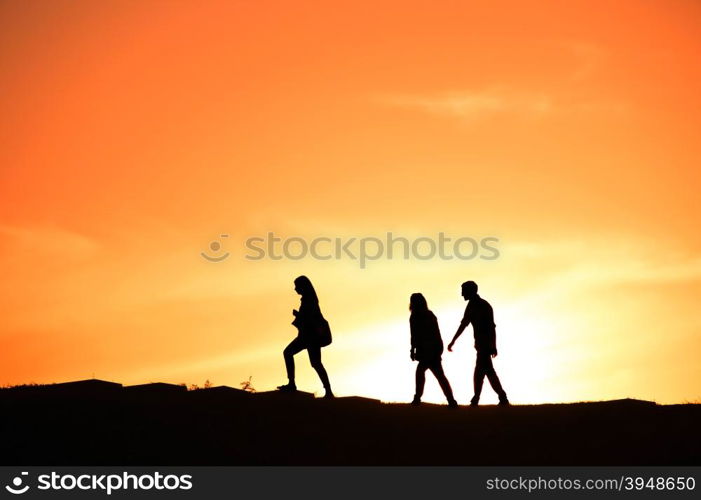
[(98, 423)]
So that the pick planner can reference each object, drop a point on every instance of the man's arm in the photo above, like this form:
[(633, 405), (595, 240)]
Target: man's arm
[(463, 324)]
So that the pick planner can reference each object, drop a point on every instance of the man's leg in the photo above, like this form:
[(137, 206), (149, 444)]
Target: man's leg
[(437, 370), (293, 348), (494, 379), (478, 378)]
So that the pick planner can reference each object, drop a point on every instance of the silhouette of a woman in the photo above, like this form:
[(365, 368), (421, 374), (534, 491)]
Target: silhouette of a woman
[(427, 348), (308, 321)]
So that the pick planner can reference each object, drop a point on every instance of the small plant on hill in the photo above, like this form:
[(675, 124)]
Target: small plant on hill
[(247, 386), (19, 386), (195, 387)]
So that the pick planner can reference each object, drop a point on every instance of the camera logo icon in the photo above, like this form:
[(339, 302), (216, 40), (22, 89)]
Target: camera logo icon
[(216, 248), (16, 488)]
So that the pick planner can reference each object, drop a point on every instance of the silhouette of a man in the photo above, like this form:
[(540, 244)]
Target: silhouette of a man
[(480, 314)]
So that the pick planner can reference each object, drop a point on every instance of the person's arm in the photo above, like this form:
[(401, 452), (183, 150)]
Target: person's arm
[(309, 312), (493, 343), (437, 334), (463, 324), (412, 329), (493, 333)]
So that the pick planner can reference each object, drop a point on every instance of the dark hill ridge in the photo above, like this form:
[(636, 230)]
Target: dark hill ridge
[(95, 422)]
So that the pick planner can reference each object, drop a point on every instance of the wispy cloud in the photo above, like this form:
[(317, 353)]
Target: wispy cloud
[(475, 104), (586, 60), (47, 240)]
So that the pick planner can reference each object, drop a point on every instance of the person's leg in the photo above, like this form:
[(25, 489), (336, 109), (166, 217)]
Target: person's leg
[(494, 379), (420, 381), (315, 359), (293, 348), (478, 378), (437, 370)]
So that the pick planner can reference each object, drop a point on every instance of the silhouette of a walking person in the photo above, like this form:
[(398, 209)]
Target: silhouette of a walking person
[(312, 333), (427, 348), (480, 314)]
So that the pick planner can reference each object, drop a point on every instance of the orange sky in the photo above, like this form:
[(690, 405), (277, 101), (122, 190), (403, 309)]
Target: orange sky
[(134, 133)]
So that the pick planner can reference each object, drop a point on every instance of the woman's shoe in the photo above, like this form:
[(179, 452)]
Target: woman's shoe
[(287, 388), (416, 401)]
